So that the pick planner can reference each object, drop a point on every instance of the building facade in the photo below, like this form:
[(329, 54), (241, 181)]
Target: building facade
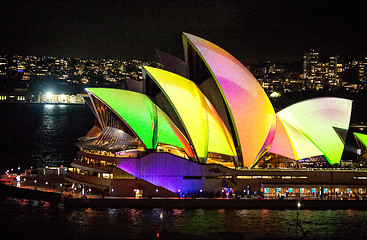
[(198, 126)]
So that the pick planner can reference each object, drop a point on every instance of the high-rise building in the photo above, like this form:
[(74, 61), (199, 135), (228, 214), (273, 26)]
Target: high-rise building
[(362, 67), (332, 71), (310, 61), (327, 73)]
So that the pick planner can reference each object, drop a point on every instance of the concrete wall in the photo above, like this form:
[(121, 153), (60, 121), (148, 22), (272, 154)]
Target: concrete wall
[(167, 171), (97, 181), (126, 187)]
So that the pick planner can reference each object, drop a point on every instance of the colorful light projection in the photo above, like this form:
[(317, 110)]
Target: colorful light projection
[(166, 170), (362, 142), (250, 110), (202, 123), (318, 120), (291, 143), (310, 128), (361, 137), (143, 117)]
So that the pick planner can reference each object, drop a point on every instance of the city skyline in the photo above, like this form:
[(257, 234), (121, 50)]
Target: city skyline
[(280, 31)]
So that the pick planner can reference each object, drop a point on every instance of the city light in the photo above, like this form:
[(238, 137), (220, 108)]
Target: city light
[(275, 95), (49, 95)]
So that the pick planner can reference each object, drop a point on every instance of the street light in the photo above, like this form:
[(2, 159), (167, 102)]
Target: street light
[(18, 180)]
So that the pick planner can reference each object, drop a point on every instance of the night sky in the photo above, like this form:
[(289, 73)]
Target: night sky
[(249, 30)]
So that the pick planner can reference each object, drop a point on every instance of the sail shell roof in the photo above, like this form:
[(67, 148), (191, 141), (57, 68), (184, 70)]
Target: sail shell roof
[(251, 111), (203, 126), (143, 117)]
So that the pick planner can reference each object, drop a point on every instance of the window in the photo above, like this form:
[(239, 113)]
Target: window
[(224, 176), (363, 178), (106, 175)]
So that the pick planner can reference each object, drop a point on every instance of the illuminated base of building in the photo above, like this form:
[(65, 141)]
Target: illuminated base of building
[(163, 174)]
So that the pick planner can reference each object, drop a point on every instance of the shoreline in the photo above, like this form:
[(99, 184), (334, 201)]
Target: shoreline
[(180, 203), (42, 103)]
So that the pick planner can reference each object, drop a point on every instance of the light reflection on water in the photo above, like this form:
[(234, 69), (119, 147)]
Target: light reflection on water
[(41, 135), (27, 218)]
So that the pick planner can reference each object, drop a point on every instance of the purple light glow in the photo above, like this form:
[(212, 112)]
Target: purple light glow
[(165, 170)]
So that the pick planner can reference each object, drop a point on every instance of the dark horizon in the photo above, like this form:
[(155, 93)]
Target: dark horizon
[(250, 31)]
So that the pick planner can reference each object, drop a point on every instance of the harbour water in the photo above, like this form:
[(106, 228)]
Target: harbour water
[(39, 135), (30, 219), (44, 135)]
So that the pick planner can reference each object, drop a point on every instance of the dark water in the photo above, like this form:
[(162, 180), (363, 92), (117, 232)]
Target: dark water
[(28, 219), (41, 135), (44, 135)]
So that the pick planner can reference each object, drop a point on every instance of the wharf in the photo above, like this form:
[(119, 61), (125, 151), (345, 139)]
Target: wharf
[(77, 201)]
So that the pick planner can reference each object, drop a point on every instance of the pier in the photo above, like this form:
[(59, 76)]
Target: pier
[(69, 198)]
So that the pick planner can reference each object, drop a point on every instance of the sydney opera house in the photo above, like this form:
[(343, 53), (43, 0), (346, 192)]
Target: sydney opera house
[(205, 126)]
